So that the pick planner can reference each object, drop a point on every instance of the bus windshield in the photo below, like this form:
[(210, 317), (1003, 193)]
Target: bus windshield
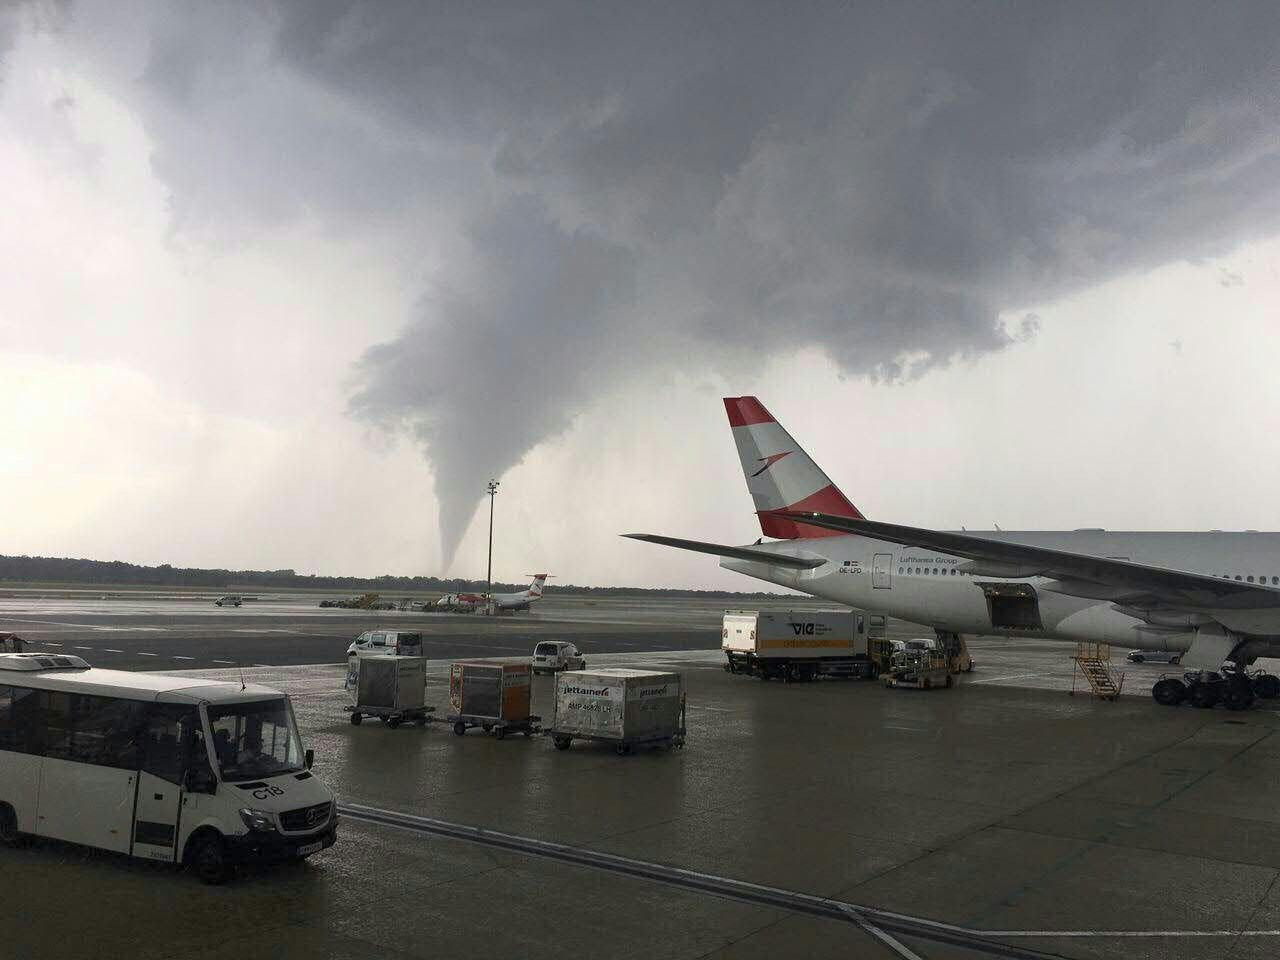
[(252, 740)]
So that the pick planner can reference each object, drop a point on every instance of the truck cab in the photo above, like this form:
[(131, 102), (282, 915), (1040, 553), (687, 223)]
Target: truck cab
[(551, 656)]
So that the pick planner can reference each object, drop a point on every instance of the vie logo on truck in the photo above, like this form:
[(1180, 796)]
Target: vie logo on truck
[(803, 629)]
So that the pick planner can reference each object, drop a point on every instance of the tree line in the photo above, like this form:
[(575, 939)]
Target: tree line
[(118, 573)]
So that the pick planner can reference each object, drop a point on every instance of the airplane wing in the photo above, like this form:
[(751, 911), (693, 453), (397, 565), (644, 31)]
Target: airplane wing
[(737, 553), (1077, 574)]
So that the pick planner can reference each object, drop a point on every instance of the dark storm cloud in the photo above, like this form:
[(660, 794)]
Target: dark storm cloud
[(613, 186)]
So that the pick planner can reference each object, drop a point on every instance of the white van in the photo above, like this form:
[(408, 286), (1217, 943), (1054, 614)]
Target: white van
[(184, 770), (381, 643), (551, 656)]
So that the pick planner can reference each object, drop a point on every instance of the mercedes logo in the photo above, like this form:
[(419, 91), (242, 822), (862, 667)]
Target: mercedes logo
[(312, 816)]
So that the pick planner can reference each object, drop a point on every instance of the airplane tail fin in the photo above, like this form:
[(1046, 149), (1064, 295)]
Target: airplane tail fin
[(780, 475), (539, 581)]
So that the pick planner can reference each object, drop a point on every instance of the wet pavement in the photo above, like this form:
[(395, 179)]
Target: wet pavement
[(1002, 817)]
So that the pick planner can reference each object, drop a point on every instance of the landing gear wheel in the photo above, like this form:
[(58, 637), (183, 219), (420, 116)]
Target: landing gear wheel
[(1204, 696), (1238, 697), (9, 835), (209, 860), (1169, 692), (459, 728), (562, 743), (355, 719), (500, 732), (393, 722), (1266, 686), (622, 749), (948, 683)]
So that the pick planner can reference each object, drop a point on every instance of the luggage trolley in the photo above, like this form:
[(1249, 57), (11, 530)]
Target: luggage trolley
[(491, 695), (626, 708)]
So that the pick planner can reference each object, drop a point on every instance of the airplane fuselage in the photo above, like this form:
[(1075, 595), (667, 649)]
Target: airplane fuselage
[(941, 591)]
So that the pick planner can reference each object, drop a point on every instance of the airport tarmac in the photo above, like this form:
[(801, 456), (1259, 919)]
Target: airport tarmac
[(832, 819), (133, 632)]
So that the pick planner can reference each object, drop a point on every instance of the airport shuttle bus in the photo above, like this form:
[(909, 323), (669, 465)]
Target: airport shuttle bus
[(184, 770)]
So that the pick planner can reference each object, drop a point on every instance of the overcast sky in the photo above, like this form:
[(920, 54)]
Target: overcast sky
[(282, 284)]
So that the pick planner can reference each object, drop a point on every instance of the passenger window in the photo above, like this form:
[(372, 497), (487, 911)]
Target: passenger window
[(953, 571), (21, 722), (1237, 576), (57, 724), (1275, 580), (1249, 579), (105, 731), (899, 569), (379, 640)]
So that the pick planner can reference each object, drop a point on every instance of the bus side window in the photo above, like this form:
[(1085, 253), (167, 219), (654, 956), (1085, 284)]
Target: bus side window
[(21, 720), (106, 731)]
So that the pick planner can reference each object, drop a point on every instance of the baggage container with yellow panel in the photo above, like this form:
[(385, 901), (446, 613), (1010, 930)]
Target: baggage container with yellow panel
[(491, 695)]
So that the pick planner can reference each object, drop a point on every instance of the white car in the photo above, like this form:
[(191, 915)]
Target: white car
[(227, 602), (1155, 656), (552, 655)]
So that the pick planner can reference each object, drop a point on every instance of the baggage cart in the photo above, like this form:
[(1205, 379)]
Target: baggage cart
[(490, 695), (920, 670), (390, 688), (624, 707)]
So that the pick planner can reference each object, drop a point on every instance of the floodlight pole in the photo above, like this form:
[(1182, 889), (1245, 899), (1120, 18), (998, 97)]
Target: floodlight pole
[(493, 489)]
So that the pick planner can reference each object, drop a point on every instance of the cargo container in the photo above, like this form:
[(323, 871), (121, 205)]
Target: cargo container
[(797, 644), (619, 706), (490, 695), (390, 688)]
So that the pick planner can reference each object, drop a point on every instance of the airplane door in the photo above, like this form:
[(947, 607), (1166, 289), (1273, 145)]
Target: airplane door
[(880, 571)]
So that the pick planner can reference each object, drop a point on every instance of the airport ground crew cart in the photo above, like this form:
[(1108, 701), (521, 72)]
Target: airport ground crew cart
[(490, 695), (389, 688), (626, 708), (918, 669)]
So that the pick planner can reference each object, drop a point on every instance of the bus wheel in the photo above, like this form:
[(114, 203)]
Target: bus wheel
[(209, 859), (355, 719), (9, 835)]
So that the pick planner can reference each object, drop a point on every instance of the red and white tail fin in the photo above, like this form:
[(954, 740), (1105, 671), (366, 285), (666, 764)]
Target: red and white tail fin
[(780, 474), (539, 581)]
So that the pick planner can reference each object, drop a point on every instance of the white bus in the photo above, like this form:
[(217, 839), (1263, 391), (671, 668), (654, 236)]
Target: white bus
[(185, 770)]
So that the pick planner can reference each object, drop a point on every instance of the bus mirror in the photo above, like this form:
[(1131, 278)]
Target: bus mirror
[(310, 758)]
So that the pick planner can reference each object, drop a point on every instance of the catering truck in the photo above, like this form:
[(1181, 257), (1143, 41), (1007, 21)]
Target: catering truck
[(182, 770), (797, 644)]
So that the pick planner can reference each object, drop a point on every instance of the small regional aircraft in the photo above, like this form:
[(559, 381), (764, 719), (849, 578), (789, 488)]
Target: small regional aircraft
[(503, 601), (1212, 597)]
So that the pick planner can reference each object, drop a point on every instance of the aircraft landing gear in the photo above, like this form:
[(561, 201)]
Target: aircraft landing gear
[(1169, 692)]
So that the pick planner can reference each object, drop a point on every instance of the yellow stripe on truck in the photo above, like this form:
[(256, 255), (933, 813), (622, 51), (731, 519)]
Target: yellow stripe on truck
[(832, 644)]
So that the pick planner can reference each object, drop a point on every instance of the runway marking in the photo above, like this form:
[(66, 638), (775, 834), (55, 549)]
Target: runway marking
[(228, 662), (1014, 676), (82, 648), (143, 654), (182, 658), (109, 650)]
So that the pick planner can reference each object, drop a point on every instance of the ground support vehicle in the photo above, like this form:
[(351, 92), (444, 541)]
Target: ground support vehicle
[(183, 770), (1235, 689), (919, 669), (380, 643), (796, 645), (228, 602), (490, 695), (551, 656), (389, 688), (1154, 656), (623, 707)]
